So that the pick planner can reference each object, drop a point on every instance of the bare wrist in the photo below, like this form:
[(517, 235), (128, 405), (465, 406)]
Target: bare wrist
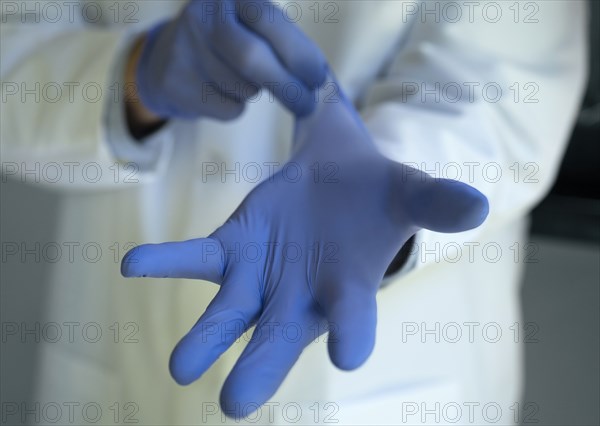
[(140, 120)]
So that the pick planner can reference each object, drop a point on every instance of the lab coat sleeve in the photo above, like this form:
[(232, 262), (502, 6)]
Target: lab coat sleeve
[(62, 113), (489, 104)]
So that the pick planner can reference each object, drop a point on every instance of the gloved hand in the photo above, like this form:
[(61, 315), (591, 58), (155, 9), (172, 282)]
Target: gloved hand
[(216, 54), (304, 253)]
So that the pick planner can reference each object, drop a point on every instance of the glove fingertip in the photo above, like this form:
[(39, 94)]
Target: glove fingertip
[(235, 404), (444, 205), (469, 207), (480, 208), (352, 327), (130, 263), (178, 368), (349, 358)]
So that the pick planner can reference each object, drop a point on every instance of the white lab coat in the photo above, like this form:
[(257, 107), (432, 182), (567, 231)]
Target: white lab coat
[(379, 50)]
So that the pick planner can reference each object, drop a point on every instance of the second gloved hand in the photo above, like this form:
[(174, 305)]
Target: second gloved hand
[(218, 53), (303, 254)]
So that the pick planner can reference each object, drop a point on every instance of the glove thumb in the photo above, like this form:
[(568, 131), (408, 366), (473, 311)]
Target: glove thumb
[(441, 205)]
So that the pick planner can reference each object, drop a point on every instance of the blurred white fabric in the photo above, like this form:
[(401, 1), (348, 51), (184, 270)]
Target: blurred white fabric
[(380, 51)]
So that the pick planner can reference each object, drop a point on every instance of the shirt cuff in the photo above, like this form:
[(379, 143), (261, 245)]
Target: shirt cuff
[(410, 263), (150, 154)]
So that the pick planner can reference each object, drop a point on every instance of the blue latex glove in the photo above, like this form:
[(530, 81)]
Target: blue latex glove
[(300, 256), (216, 54)]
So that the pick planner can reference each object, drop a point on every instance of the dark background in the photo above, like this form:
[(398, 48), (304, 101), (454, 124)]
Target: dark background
[(561, 291)]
